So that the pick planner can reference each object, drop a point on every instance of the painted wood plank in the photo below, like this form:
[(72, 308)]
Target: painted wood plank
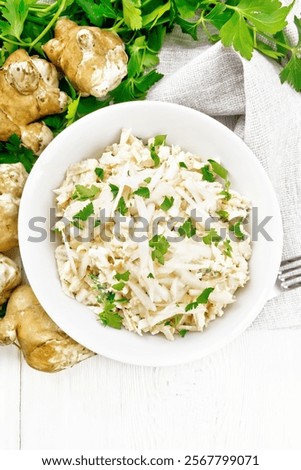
[(246, 395), (9, 397)]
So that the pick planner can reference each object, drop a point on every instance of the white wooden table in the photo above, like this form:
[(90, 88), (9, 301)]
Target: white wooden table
[(247, 395)]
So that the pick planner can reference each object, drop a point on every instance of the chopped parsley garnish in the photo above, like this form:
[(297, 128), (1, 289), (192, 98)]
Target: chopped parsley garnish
[(99, 173), (182, 333), (211, 237), (114, 190), (224, 215), (174, 321), (85, 213), (201, 299), (160, 247), (109, 316), (155, 157), (119, 285), (227, 248), (148, 180), (97, 223), (123, 300), (187, 229), (225, 192), (167, 203), (160, 140), (150, 276), (77, 224), (82, 193), (235, 228), (143, 192), (183, 165), (218, 169), (207, 174), (122, 276), (121, 206)]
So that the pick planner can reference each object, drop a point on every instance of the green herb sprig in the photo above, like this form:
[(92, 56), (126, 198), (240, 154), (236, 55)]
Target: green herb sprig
[(245, 25), (109, 316)]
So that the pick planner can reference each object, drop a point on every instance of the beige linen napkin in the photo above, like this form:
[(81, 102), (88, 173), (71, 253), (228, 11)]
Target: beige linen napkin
[(248, 98)]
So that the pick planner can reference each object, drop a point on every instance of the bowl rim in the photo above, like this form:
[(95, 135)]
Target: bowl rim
[(23, 220)]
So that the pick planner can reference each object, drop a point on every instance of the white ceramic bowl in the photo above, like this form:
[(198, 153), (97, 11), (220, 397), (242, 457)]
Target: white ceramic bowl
[(195, 132)]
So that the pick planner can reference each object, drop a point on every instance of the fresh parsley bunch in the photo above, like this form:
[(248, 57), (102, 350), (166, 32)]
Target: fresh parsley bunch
[(246, 25)]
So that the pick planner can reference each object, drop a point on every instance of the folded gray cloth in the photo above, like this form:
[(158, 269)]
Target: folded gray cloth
[(248, 98)]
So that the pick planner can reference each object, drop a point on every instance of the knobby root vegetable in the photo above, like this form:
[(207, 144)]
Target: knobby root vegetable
[(29, 91), (44, 345), (12, 180), (93, 59), (10, 277)]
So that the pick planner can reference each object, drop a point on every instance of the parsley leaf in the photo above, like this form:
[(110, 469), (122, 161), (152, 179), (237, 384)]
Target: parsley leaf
[(292, 71), (211, 237), (227, 248), (150, 276), (132, 13), (99, 173), (219, 169), (225, 192), (207, 174), (82, 193), (13, 151), (201, 299), (160, 140), (167, 203), (237, 34), (122, 276), (266, 17), (114, 190), (191, 306), (182, 333), (143, 192), (148, 180), (188, 27), (15, 12), (71, 115), (154, 156), (121, 206), (135, 87), (109, 316), (155, 14), (96, 13), (183, 165), (160, 247), (76, 223), (119, 286), (142, 56), (85, 213), (187, 8), (235, 228), (224, 215), (187, 229)]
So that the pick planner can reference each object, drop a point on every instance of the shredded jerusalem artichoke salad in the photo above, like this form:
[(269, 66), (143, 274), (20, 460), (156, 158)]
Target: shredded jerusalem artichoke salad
[(173, 279)]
